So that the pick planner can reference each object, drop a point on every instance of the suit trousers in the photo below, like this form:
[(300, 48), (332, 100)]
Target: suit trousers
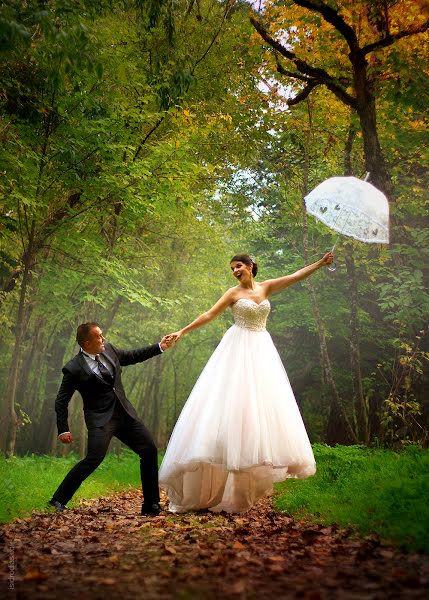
[(132, 433)]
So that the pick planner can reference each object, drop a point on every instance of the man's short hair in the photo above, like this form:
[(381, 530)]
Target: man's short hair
[(83, 332)]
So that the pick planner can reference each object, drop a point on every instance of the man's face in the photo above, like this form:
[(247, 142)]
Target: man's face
[(95, 344)]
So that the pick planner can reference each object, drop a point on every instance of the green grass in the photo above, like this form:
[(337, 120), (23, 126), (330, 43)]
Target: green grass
[(28, 482), (379, 491)]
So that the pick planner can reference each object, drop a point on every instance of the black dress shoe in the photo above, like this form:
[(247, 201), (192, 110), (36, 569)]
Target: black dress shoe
[(57, 505), (151, 509)]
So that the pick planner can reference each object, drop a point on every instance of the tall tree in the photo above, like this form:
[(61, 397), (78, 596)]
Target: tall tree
[(111, 173), (335, 44)]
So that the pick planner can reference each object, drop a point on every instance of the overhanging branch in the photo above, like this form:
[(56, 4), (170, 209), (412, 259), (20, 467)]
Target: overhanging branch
[(306, 72), (331, 16), (302, 95), (341, 94), (294, 74), (392, 38), (270, 40), (302, 66)]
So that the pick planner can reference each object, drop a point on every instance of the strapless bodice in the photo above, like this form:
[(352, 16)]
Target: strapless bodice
[(250, 315)]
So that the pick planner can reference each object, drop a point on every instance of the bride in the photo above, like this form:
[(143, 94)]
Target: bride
[(240, 429)]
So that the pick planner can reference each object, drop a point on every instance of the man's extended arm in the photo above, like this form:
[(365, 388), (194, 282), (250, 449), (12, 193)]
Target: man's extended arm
[(131, 357)]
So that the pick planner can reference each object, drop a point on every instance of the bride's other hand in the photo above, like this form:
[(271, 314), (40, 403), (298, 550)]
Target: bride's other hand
[(327, 259)]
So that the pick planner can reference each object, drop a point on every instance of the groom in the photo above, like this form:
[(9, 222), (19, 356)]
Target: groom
[(95, 372)]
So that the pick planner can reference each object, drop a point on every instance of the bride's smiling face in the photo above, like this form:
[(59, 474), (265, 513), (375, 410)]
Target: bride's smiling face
[(241, 271)]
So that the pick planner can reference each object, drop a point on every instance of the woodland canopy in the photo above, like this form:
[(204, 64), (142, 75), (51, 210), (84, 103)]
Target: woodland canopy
[(144, 143)]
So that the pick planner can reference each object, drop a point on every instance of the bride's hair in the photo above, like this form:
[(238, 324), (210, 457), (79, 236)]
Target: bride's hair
[(247, 260)]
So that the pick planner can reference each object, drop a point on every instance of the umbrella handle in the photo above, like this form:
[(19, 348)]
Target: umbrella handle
[(333, 266)]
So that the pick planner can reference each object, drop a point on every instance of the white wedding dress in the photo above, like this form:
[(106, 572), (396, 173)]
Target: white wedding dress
[(240, 429)]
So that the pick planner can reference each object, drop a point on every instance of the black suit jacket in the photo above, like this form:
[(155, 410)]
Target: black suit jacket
[(98, 395)]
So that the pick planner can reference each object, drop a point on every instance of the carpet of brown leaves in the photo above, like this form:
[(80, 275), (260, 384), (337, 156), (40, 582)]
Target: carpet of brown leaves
[(105, 550)]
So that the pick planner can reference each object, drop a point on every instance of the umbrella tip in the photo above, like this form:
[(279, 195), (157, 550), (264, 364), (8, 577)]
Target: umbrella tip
[(367, 174)]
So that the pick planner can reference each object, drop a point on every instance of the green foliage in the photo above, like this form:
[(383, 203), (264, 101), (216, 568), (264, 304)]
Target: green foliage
[(372, 490), (401, 411), (139, 154), (110, 195)]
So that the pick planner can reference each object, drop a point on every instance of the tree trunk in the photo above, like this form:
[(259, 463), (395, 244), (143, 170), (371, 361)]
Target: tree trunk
[(53, 442), (366, 110), (109, 318), (9, 432), (10, 422), (28, 388), (55, 360), (374, 159), (360, 403), (339, 430), (25, 388), (363, 99), (348, 147)]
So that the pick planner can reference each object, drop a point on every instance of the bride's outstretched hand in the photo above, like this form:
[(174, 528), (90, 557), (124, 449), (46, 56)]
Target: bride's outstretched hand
[(327, 259), (176, 336)]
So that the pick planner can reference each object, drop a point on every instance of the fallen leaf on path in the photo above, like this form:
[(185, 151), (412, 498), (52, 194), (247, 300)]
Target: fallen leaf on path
[(103, 549), (239, 587), (35, 575), (276, 558)]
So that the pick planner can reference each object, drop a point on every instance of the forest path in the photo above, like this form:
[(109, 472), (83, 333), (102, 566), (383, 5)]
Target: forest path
[(104, 549)]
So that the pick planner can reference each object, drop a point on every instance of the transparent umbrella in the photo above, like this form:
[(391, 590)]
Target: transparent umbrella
[(352, 207)]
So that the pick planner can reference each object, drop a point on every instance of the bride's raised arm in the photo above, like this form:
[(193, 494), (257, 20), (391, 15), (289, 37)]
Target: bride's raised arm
[(217, 309), (280, 283)]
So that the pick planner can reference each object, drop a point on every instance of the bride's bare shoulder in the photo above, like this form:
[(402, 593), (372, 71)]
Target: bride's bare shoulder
[(264, 285), (232, 293)]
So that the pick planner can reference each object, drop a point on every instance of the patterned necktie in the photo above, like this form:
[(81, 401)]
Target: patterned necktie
[(104, 371)]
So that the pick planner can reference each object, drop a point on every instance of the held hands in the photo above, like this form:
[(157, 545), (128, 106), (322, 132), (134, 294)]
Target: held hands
[(327, 259), (170, 339), (176, 336), (167, 341), (66, 437)]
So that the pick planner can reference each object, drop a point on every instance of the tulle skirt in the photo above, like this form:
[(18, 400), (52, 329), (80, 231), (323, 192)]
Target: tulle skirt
[(239, 431)]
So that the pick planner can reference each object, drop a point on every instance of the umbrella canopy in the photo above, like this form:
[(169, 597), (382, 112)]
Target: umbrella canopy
[(352, 207)]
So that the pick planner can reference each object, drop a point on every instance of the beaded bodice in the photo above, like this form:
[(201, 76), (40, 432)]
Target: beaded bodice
[(250, 315)]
